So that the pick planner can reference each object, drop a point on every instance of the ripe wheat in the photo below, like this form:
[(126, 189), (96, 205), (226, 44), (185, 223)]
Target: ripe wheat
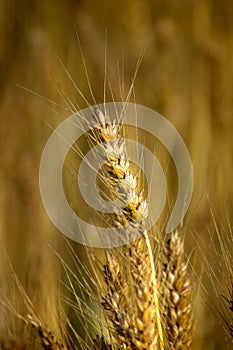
[(132, 295), (177, 295), (45, 336)]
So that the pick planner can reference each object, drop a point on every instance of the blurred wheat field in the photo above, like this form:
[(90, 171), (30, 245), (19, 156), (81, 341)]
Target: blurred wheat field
[(186, 74)]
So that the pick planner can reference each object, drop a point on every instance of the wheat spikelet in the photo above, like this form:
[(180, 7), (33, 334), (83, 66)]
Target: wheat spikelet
[(177, 295), (46, 337), (132, 304)]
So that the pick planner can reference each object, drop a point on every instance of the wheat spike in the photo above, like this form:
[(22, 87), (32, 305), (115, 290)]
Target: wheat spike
[(132, 304), (46, 337), (113, 300), (177, 295)]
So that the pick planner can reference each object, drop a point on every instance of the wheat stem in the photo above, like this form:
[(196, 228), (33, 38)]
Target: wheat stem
[(156, 300)]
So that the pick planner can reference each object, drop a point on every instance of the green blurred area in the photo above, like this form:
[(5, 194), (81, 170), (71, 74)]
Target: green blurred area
[(186, 74)]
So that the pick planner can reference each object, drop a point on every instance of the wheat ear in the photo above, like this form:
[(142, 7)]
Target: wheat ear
[(46, 337), (177, 295), (132, 305)]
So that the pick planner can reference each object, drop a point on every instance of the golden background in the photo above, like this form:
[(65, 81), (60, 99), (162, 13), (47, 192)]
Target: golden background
[(186, 74)]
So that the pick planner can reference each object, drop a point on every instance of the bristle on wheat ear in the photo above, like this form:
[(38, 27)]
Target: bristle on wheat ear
[(132, 297)]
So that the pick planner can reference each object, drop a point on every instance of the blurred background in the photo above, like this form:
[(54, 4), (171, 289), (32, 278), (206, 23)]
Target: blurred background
[(186, 74)]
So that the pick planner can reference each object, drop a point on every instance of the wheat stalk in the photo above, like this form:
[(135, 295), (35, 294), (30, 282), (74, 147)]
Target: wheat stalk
[(133, 306), (177, 295)]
